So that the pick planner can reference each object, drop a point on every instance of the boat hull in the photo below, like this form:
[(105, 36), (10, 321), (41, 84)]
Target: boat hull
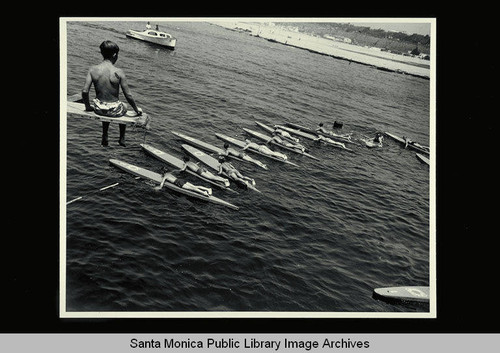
[(164, 42)]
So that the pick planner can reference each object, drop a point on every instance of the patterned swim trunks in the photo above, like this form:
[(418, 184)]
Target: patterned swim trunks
[(113, 109)]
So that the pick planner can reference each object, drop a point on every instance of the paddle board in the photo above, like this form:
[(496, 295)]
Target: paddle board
[(156, 177), (210, 148), (401, 140), (423, 158), (265, 127), (311, 136), (313, 131), (298, 132), (266, 139), (409, 293), (178, 163), (198, 143), (242, 144), (211, 162), (77, 109)]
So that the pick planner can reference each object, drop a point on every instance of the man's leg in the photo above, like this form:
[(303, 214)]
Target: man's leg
[(121, 141), (104, 141)]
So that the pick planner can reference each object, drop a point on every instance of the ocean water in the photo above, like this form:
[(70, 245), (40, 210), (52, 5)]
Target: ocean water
[(319, 238)]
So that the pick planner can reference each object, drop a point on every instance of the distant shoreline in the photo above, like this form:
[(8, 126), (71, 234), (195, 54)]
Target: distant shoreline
[(367, 56)]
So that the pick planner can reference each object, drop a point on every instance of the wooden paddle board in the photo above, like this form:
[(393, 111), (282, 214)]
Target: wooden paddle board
[(77, 109)]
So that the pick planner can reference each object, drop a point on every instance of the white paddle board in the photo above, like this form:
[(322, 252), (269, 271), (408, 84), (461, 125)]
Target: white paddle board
[(409, 293), (77, 109)]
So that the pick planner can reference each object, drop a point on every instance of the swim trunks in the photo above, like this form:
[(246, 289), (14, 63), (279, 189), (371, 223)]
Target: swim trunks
[(179, 182), (112, 109), (200, 170)]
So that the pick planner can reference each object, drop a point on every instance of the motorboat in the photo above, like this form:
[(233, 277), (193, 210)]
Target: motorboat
[(153, 36)]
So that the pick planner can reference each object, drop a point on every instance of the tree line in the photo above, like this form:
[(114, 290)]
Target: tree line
[(362, 35)]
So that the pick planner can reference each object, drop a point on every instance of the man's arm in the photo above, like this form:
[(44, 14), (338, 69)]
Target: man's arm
[(126, 91), (85, 91)]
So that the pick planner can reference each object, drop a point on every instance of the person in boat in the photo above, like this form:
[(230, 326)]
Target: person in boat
[(107, 80), (285, 135), (410, 142), (264, 149), (182, 183), (329, 140), (148, 25), (202, 171), (228, 169), (228, 151), (321, 129), (280, 141)]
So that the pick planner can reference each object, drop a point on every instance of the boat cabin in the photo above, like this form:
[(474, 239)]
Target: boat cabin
[(158, 34)]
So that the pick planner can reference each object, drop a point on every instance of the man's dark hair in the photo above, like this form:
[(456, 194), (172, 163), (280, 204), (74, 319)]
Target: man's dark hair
[(109, 49)]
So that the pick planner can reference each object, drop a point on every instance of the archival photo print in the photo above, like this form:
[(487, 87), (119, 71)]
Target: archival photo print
[(247, 167)]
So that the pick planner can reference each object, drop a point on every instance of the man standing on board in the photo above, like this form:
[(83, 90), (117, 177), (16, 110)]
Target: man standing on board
[(107, 80)]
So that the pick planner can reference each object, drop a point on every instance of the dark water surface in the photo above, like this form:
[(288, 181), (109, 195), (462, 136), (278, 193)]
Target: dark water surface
[(319, 238)]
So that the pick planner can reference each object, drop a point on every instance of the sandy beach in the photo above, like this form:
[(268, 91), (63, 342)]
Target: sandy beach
[(354, 53)]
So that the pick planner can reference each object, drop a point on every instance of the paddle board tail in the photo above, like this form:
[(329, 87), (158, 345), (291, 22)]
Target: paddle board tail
[(423, 159)]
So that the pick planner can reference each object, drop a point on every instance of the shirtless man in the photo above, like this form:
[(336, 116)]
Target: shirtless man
[(280, 141), (202, 171), (232, 152), (264, 149), (228, 169), (329, 140), (184, 184), (107, 80), (285, 135)]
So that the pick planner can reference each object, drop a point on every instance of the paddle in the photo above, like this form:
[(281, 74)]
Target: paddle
[(93, 192)]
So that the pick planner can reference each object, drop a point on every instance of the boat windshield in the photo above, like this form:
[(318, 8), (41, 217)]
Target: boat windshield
[(158, 34)]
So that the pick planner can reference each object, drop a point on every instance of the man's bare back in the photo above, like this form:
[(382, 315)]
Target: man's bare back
[(106, 79)]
